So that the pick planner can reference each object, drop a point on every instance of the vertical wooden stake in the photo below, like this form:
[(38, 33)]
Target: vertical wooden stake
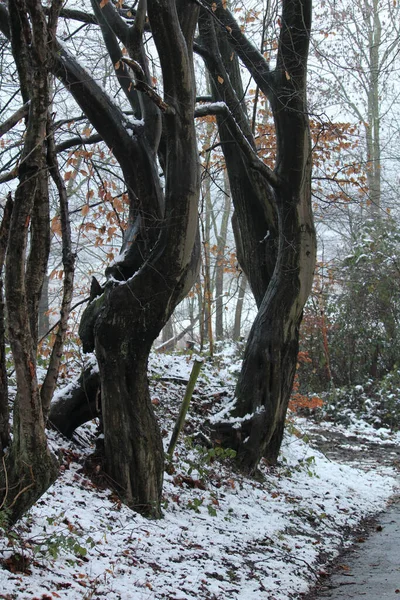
[(185, 405)]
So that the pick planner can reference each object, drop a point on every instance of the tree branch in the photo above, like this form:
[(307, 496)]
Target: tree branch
[(220, 108), (142, 86), (251, 57), (78, 141), (13, 120), (110, 22)]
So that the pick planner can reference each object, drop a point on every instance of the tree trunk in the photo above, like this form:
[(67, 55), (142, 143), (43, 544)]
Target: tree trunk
[(29, 467), (167, 336), (239, 307), (269, 363), (278, 208), (44, 319), (372, 127), (207, 334), (79, 403), (220, 264), (133, 446), (163, 261), (4, 406), (68, 259)]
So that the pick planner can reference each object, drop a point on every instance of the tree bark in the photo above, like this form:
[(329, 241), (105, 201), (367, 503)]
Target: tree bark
[(44, 319), (127, 318), (220, 263), (68, 259), (77, 404), (167, 336), (239, 307)]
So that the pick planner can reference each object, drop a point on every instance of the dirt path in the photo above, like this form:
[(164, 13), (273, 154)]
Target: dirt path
[(370, 569)]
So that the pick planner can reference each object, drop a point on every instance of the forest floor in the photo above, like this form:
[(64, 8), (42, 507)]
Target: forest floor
[(222, 536)]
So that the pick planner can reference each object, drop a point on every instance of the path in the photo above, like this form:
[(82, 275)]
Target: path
[(354, 450), (370, 570)]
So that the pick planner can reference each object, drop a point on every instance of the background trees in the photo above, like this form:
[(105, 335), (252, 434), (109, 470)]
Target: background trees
[(129, 168), (356, 45), (351, 327), (357, 48)]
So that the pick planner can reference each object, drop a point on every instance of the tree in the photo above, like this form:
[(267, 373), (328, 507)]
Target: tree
[(364, 308), (274, 229), (28, 466)]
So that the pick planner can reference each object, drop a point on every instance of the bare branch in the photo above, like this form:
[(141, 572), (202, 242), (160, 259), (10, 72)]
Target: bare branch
[(13, 120), (142, 86), (220, 108), (251, 57), (78, 141), (78, 15)]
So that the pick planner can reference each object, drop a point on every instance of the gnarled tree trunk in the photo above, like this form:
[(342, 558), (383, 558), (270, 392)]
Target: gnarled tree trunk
[(159, 257), (273, 219)]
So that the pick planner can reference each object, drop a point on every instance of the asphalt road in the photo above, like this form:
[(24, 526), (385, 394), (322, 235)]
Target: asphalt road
[(372, 570)]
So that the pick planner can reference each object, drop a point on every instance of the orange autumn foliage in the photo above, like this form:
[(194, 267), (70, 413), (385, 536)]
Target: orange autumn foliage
[(299, 402)]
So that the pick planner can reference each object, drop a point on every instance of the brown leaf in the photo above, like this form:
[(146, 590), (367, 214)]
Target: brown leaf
[(56, 225)]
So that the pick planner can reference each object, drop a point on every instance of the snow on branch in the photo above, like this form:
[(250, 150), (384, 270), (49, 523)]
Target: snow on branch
[(255, 162)]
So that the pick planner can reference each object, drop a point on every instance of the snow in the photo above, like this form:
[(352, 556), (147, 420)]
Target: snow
[(221, 536)]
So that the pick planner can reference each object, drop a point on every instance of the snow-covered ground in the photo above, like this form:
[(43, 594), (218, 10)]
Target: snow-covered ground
[(222, 536)]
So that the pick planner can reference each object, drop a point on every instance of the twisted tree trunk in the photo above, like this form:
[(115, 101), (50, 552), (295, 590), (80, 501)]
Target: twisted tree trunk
[(273, 218)]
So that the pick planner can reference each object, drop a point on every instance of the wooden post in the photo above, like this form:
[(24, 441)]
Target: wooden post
[(185, 405)]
